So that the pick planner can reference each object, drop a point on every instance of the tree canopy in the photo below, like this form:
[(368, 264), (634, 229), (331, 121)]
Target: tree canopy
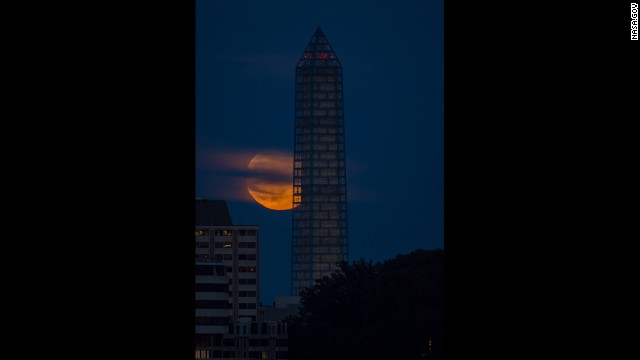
[(388, 310)]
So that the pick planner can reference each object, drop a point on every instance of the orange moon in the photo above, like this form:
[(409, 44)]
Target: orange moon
[(270, 180)]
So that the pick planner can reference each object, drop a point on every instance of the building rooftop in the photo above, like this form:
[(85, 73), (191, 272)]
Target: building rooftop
[(212, 213)]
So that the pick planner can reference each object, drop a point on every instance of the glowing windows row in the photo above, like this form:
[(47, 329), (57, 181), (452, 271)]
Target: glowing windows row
[(229, 244), (227, 232)]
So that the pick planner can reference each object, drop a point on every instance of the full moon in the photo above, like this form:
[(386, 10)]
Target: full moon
[(270, 180)]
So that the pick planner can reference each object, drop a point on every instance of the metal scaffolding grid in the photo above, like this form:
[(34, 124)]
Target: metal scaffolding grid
[(319, 223)]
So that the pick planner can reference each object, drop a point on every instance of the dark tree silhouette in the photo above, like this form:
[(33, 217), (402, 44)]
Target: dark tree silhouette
[(389, 310)]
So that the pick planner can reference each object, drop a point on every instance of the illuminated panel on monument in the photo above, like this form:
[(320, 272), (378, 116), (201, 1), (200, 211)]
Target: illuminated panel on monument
[(319, 56)]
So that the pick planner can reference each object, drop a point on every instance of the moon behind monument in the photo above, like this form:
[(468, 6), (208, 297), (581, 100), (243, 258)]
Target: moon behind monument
[(270, 180)]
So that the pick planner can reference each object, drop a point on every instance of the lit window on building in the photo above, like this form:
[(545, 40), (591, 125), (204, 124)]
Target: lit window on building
[(203, 354), (224, 232)]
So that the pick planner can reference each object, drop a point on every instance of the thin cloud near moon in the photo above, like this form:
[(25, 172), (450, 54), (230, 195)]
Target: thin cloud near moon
[(225, 174)]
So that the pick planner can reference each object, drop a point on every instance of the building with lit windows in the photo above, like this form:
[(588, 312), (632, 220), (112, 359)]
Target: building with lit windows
[(319, 223), (236, 247), (228, 322), (212, 307)]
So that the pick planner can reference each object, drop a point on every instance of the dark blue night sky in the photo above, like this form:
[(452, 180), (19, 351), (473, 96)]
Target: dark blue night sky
[(392, 54)]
